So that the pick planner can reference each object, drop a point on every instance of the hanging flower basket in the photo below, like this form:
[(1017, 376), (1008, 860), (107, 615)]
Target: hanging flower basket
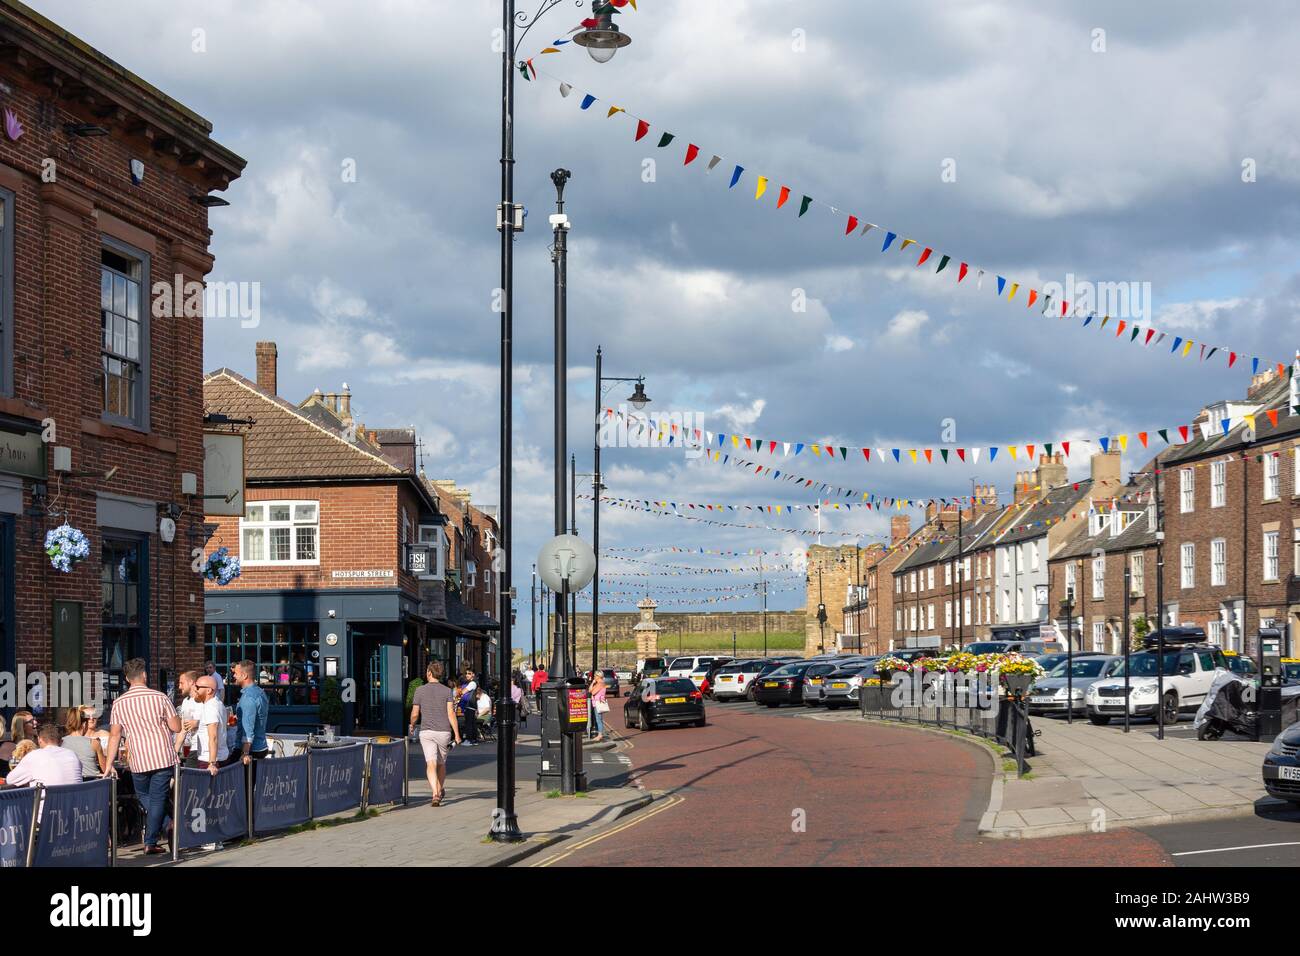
[(66, 546), (221, 567)]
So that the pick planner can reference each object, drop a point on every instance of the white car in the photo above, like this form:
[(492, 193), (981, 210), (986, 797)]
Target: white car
[(1189, 670), (733, 680), (624, 676), (686, 666)]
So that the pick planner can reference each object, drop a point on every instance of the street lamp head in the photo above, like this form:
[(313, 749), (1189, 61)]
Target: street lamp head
[(602, 40), (639, 399)]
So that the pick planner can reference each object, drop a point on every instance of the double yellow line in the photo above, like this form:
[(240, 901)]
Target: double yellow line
[(667, 804)]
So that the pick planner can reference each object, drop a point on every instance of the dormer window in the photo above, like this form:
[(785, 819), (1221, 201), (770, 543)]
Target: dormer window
[(1098, 522)]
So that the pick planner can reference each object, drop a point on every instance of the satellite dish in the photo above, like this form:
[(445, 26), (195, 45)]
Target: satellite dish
[(566, 559)]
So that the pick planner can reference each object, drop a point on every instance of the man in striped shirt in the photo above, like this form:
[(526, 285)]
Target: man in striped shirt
[(148, 721)]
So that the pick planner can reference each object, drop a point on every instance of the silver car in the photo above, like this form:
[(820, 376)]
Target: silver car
[(1048, 695), (815, 679), (841, 688)]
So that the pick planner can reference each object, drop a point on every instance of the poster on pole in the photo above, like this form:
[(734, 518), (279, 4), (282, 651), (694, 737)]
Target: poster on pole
[(280, 793), (387, 773), (75, 825), (15, 825), (211, 808), (336, 779)]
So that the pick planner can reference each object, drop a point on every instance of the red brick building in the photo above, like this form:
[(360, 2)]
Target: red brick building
[(102, 184), (1231, 508), (333, 513)]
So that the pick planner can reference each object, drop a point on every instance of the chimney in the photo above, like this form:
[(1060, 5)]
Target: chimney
[(1052, 473), (1106, 472), (900, 526), (332, 401), (931, 511), (345, 405), (266, 367), (1260, 382)]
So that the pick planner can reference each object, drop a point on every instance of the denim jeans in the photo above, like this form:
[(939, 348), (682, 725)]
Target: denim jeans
[(600, 720), (151, 789)]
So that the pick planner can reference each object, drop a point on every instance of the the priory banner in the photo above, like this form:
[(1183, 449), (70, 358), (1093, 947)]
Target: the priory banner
[(336, 779), (211, 808), (76, 825), (1049, 304), (280, 793), (387, 773), (15, 825)]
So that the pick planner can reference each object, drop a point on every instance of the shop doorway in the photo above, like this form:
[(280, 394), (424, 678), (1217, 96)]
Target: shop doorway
[(370, 669)]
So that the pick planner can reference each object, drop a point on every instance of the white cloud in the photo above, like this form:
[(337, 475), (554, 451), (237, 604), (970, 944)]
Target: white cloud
[(905, 326), (838, 343)]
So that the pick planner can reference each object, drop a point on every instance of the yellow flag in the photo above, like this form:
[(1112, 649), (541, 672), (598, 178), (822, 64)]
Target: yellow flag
[(613, 110), (1011, 449), (762, 187), (1250, 420), (1012, 293), (735, 442), (1123, 442), (816, 450), (906, 243), (912, 452), (1187, 348)]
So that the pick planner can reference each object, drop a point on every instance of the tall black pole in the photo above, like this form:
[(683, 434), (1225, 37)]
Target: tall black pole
[(573, 530), (505, 825), (1069, 658), (532, 596), (596, 488), (1160, 614), (1128, 586)]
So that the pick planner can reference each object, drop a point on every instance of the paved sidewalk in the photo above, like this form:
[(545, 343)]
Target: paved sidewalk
[(1086, 777), (454, 834)]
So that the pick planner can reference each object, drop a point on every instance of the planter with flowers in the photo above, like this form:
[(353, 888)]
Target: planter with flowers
[(1018, 673), (66, 547), (221, 567)]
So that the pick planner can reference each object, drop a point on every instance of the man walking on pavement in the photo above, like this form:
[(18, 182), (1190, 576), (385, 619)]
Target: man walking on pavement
[(435, 711)]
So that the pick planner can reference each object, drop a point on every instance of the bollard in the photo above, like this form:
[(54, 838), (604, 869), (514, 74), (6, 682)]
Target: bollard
[(112, 822), (250, 772), (406, 771), (176, 805), (31, 828), (311, 810), (365, 778)]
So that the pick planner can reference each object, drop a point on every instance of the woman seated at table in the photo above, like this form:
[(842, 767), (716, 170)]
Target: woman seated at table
[(77, 737), (22, 727)]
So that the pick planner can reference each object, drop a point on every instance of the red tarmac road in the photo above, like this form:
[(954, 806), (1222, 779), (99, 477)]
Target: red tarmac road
[(869, 795)]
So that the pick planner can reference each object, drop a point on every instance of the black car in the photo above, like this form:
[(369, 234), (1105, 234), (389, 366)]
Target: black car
[(769, 664), (612, 687), (784, 685), (664, 700), (1282, 766)]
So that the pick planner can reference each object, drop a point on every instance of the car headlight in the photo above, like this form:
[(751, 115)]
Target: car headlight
[(1078, 693), (1145, 690)]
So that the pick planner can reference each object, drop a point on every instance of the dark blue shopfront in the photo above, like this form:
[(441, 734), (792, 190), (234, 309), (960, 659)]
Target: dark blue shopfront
[(369, 639)]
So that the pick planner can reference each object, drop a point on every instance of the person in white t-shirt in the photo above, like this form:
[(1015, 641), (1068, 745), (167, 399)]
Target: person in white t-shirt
[(214, 752), (189, 712), (211, 670), (51, 764)]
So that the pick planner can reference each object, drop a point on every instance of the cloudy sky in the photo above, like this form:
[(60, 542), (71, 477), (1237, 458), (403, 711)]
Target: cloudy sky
[(1108, 141)]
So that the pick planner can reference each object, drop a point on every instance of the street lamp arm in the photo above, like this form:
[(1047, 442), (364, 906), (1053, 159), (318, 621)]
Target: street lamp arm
[(527, 22)]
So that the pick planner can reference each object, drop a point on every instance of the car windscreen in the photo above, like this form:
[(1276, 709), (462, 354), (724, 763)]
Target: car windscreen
[(1145, 664), (678, 685), (1087, 667), (744, 667), (985, 647), (789, 670), (682, 663)]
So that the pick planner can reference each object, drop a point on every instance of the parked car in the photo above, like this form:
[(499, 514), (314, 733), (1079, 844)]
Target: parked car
[(842, 688), (912, 653), (732, 679), (612, 686), (815, 677), (1027, 648), (1189, 671), (1241, 665), (784, 685), (686, 666), (1291, 668), (765, 666), (1282, 765), (707, 666), (1049, 661), (664, 700), (1048, 694), (650, 667), (624, 675)]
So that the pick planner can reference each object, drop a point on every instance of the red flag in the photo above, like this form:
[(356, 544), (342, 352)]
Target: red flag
[(785, 194), (1142, 437), (866, 453), (853, 224), (1150, 332), (1232, 358), (830, 451), (642, 127), (961, 453), (1033, 294), (928, 457), (771, 448), (925, 255), (591, 23), (961, 273), (691, 152), (1272, 416), (1065, 447), (1065, 307), (749, 443), (1182, 430), (1120, 327)]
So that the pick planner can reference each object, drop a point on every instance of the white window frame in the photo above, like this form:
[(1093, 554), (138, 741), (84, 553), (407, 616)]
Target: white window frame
[(1071, 581), (1273, 560), (1218, 484), (929, 616), (1272, 477), (947, 574), (1099, 636), (965, 611), (947, 614), (1187, 565), (1099, 577), (929, 577), (435, 535), (265, 525), (1137, 573), (1187, 490), (1295, 556), (1219, 562)]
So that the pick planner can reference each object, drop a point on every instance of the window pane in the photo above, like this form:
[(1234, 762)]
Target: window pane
[(119, 295), (119, 335), (254, 549), (304, 512), (254, 512), (132, 300), (306, 544), (278, 512), (105, 289), (280, 544), (133, 340)]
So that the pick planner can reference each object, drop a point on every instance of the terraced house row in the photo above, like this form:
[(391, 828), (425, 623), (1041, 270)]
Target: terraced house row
[(1070, 559)]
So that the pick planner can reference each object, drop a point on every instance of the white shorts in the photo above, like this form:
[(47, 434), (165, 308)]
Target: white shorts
[(436, 744)]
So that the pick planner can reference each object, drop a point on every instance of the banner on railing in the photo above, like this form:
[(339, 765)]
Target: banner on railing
[(336, 779), (15, 825), (211, 807), (75, 825), (280, 793), (387, 773)]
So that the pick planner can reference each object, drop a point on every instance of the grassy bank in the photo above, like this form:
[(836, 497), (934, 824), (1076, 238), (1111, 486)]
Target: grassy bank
[(719, 643)]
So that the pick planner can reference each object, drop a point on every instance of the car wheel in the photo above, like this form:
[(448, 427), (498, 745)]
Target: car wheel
[(700, 722), (1170, 708), (642, 722), (1101, 720)]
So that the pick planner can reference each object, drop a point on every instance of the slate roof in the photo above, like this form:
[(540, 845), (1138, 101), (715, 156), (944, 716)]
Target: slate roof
[(1139, 534), (286, 444), (1275, 395), (468, 618), (946, 548), (1029, 521)]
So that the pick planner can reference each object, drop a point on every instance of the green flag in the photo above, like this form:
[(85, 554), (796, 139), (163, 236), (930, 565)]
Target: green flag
[(803, 206), (665, 139)]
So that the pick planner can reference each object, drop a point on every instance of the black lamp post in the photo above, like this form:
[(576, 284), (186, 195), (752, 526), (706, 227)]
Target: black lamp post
[(601, 41), (638, 400)]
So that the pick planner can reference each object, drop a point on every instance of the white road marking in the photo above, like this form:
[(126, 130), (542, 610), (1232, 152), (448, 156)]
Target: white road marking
[(1230, 849), (597, 758)]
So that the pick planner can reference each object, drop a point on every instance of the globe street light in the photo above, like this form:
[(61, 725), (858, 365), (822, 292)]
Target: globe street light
[(603, 39)]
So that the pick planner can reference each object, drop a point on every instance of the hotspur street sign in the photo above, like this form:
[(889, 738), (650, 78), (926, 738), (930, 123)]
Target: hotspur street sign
[(567, 559)]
